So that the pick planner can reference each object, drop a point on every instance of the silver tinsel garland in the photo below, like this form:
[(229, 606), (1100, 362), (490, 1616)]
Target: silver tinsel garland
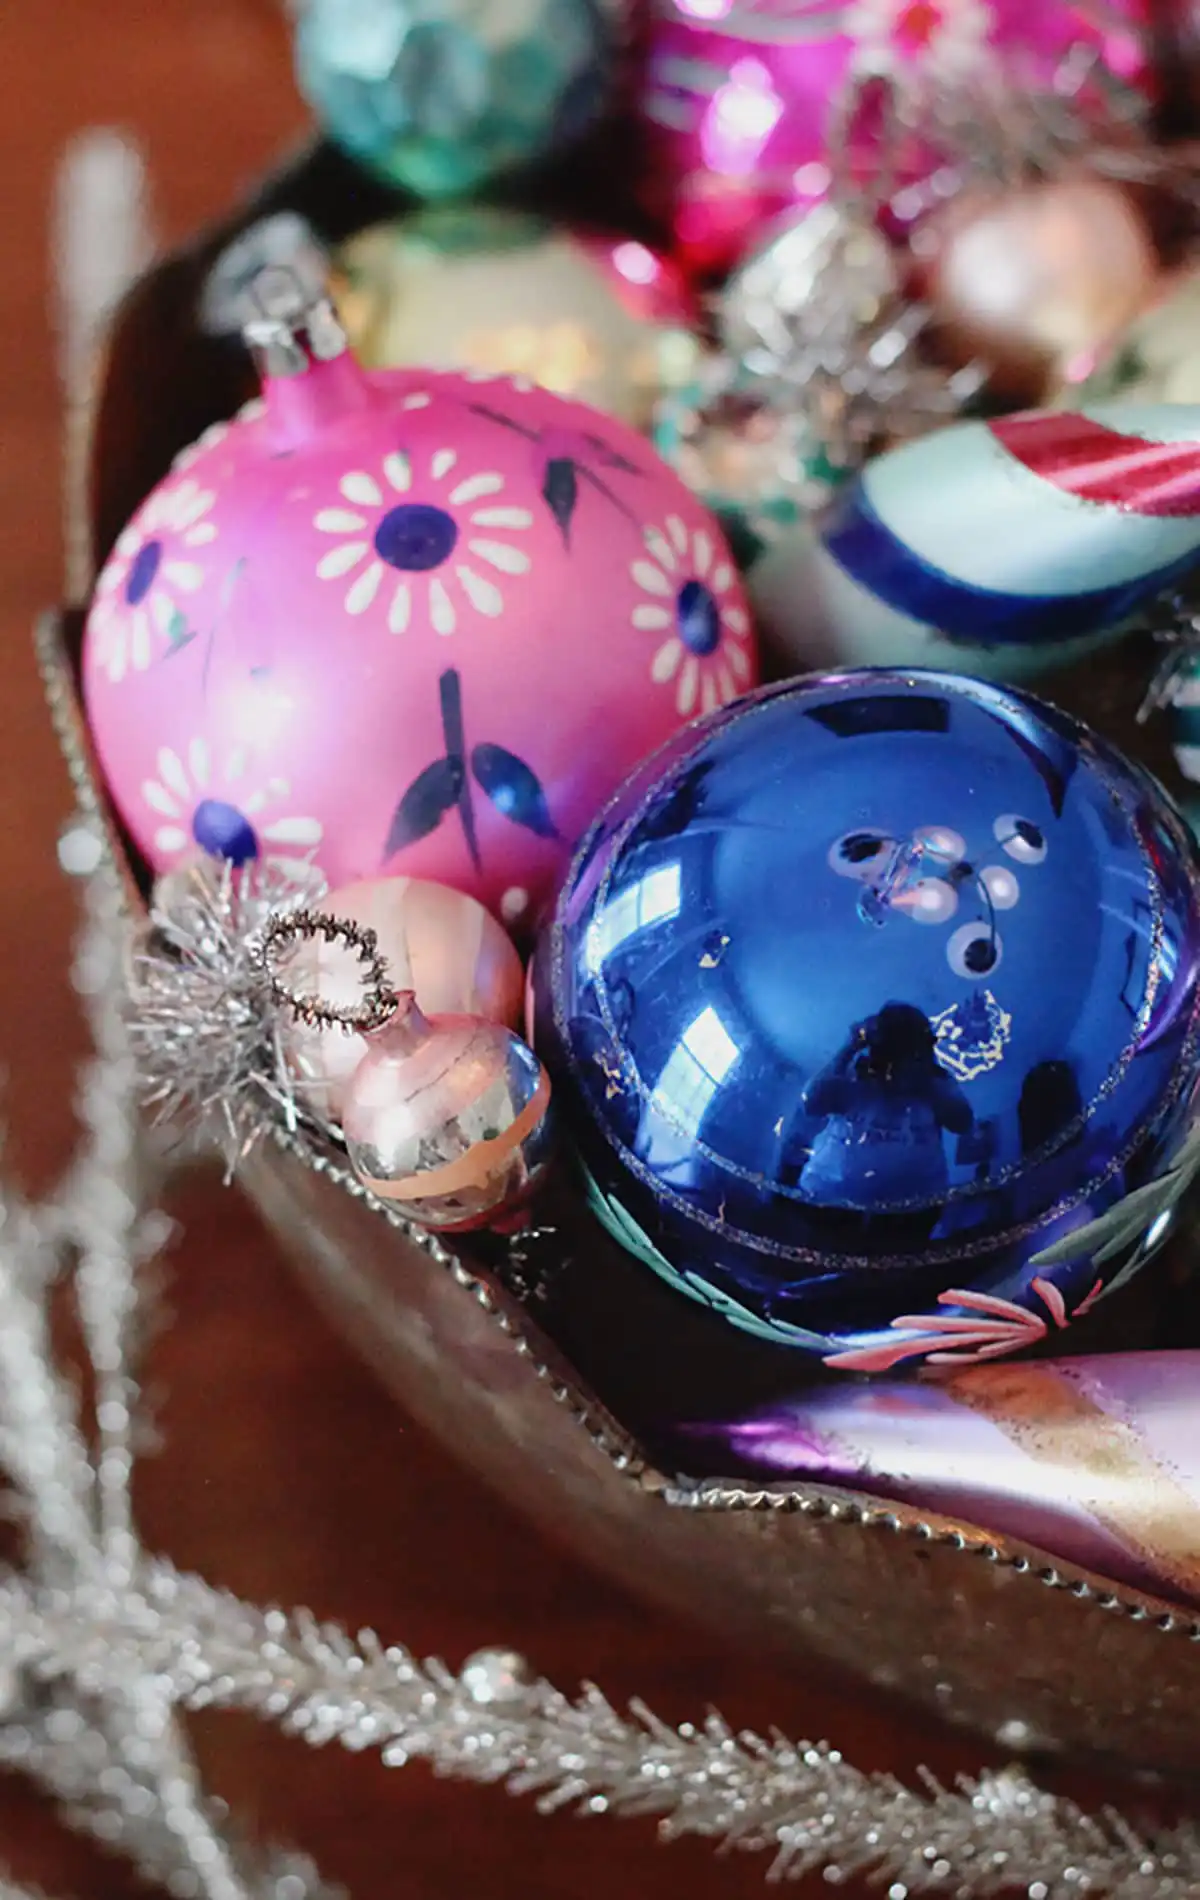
[(105, 1646)]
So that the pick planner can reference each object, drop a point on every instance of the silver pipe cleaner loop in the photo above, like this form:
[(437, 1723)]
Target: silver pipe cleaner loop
[(380, 1001)]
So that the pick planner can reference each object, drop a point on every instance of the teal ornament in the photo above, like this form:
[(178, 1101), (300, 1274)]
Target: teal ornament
[(439, 96)]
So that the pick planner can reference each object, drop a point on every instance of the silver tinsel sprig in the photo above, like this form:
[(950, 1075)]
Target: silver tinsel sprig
[(494, 1722), (117, 1760), (203, 1026), (1173, 623)]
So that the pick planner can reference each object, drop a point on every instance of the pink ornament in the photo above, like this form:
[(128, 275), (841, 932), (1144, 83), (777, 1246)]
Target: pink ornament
[(447, 1116), (404, 623), (438, 943), (741, 94)]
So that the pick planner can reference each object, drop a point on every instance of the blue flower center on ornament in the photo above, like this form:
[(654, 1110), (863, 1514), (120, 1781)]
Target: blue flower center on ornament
[(223, 831), (416, 537), (144, 566), (697, 618)]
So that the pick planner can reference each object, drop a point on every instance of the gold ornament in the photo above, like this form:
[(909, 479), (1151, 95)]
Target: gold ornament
[(1031, 279), (504, 294)]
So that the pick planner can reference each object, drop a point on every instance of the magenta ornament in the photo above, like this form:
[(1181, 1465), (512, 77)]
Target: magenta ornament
[(403, 624), (1094, 1460), (742, 97)]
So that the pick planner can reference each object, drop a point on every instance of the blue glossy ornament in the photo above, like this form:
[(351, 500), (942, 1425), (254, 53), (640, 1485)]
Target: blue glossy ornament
[(871, 1006), (441, 95)]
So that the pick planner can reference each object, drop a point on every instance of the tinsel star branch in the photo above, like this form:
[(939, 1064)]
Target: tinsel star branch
[(119, 1237), (40, 1446), (63, 1749), (118, 1760), (799, 1802), (9, 1890)]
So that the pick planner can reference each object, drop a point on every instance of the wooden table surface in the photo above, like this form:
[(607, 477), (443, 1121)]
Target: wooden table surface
[(287, 1474)]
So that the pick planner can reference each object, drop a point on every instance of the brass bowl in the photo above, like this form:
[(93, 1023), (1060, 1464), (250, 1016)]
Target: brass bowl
[(981, 1629)]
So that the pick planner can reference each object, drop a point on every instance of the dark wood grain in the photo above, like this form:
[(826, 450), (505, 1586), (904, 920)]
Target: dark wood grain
[(287, 1474)]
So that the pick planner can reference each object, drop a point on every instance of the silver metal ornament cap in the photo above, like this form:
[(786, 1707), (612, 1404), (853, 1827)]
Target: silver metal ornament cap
[(294, 329)]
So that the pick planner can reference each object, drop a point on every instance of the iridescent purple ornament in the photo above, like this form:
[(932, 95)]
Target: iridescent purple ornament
[(1095, 1460), (871, 1007)]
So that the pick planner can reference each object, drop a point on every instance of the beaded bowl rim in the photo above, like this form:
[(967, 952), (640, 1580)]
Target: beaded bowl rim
[(317, 1153)]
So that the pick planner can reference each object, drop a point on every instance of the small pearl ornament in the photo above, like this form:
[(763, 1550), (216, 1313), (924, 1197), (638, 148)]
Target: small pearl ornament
[(438, 942), (446, 1116)]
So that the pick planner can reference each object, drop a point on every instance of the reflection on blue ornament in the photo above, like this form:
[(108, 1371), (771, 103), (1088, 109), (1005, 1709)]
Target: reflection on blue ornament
[(971, 1037), (441, 95), (872, 1006)]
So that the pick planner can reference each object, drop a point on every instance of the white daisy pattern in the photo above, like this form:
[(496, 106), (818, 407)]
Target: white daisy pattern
[(946, 36), (212, 438), (223, 810), (150, 571), (425, 536), (689, 601)]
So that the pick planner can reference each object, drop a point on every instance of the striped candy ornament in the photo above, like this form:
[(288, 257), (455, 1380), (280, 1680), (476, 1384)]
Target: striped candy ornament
[(997, 548)]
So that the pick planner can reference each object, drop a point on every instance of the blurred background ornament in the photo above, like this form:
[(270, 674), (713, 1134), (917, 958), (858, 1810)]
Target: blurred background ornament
[(607, 322), (1032, 280), (748, 103), (284, 244), (1092, 1459), (826, 263), (447, 1118), (805, 1029), (1000, 548), (440, 96), (820, 363), (430, 638), (1155, 359), (752, 460), (438, 943)]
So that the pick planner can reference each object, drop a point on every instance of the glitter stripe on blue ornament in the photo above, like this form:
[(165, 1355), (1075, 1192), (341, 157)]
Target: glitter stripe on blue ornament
[(441, 96), (998, 548)]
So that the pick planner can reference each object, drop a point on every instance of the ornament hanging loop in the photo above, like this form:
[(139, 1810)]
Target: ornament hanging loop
[(380, 1002)]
